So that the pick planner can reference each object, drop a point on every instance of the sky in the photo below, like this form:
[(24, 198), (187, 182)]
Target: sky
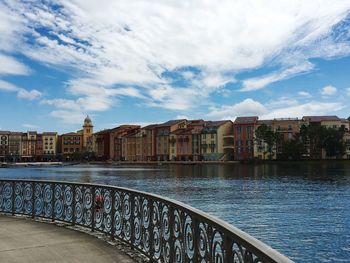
[(142, 62)]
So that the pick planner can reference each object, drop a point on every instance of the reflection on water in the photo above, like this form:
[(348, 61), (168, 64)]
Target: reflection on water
[(301, 209)]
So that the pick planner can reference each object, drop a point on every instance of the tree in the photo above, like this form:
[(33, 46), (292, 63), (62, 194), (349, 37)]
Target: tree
[(264, 134), (332, 141)]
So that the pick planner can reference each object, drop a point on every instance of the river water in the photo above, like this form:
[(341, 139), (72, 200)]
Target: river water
[(300, 209)]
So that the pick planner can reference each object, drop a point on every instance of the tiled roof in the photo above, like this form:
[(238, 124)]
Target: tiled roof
[(49, 133), (320, 118), (246, 120)]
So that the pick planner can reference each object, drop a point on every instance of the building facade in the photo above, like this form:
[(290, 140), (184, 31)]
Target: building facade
[(243, 131)]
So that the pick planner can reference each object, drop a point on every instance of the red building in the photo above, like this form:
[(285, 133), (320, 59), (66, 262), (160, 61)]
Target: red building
[(243, 131), (103, 145)]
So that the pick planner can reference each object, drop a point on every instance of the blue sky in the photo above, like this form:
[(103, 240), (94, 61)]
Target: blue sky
[(148, 62)]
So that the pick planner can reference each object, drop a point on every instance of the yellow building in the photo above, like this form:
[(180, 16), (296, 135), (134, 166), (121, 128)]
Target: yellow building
[(49, 144), (88, 130), (213, 140)]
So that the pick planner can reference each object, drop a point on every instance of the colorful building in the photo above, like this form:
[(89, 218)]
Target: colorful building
[(49, 145), (243, 131), (163, 136), (71, 144), (213, 140), (116, 141), (15, 147), (4, 145), (102, 145)]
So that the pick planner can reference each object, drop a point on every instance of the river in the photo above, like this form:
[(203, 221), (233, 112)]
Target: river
[(300, 209)]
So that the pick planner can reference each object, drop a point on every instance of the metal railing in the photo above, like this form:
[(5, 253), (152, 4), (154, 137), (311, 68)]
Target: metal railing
[(162, 229)]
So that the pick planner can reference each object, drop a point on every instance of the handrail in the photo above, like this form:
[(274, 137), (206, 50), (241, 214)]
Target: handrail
[(161, 228)]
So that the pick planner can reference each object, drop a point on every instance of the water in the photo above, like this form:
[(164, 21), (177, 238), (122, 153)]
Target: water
[(301, 209)]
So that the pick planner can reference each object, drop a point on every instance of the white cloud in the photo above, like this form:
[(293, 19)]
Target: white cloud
[(28, 95), (348, 91), (281, 102), (21, 93), (10, 66), (279, 109), (261, 82), (309, 108), (107, 45), (246, 107), (328, 91), (304, 94), (69, 117)]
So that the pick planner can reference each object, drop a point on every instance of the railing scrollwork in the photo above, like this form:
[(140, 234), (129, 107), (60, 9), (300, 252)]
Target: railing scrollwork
[(162, 229)]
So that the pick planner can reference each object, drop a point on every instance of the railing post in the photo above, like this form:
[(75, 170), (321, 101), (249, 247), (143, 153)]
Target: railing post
[(93, 209), (53, 202), (196, 238), (33, 200), (151, 226), (132, 217), (73, 204), (172, 235), (13, 197), (228, 248), (113, 212)]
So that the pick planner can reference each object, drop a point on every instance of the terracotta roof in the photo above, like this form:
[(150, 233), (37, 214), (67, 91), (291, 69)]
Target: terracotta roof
[(321, 118), (246, 120)]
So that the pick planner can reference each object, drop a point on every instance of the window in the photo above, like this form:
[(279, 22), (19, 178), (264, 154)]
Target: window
[(212, 135), (239, 129), (204, 136)]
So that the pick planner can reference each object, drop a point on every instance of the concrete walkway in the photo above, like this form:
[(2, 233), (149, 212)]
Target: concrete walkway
[(24, 240)]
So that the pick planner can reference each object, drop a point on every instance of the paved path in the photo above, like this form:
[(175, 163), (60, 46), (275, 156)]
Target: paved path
[(24, 240)]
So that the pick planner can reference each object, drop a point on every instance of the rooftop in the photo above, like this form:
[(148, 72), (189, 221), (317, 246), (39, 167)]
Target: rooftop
[(246, 120)]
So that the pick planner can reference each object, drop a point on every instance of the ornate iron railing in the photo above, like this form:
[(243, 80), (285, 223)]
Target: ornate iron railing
[(162, 229)]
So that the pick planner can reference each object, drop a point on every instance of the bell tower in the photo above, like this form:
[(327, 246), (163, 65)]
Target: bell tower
[(87, 134)]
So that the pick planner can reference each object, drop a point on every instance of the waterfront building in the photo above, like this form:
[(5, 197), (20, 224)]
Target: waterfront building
[(148, 146), (4, 145), (163, 136), (102, 145), (129, 145), (71, 145), (197, 127), (243, 132), (285, 129), (49, 145), (180, 144), (213, 140), (15, 147), (116, 142), (28, 145), (39, 148)]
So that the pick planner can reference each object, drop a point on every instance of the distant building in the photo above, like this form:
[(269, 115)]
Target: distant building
[(4, 145), (243, 131), (88, 130), (49, 145), (163, 136), (15, 147), (116, 141), (213, 140)]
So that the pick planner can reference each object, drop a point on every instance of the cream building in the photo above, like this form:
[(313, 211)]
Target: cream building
[(49, 144)]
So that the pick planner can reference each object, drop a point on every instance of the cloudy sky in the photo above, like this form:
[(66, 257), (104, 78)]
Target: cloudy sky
[(147, 61)]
